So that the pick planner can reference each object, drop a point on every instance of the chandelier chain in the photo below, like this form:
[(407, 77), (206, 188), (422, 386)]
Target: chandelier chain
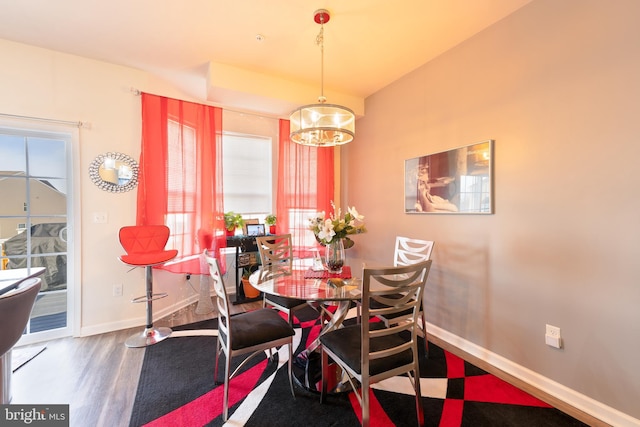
[(322, 124), (320, 42)]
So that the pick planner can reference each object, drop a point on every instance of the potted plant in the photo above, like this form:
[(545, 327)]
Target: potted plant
[(249, 290), (270, 220), (232, 221)]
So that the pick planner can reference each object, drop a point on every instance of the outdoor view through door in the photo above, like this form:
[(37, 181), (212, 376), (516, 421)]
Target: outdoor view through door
[(34, 184)]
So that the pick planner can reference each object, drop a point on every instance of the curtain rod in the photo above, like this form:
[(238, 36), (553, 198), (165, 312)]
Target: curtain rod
[(138, 92), (85, 125)]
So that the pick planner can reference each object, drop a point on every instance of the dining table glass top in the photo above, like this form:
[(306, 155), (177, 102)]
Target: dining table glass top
[(303, 283)]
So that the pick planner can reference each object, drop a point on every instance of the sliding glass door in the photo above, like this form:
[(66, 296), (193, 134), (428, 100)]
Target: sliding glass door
[(34, 222)]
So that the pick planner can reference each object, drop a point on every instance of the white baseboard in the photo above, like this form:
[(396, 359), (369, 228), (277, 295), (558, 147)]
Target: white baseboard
[(135, 322), (577, 400)]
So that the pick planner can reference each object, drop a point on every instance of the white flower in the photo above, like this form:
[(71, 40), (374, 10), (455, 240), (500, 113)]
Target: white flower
[(326, 231), (354, 213), (335, 226)]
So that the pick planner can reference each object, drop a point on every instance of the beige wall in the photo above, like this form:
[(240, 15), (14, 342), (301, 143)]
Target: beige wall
[(557, 86), (42, 83)]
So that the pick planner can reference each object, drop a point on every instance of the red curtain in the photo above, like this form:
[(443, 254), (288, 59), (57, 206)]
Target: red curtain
[(180, 178), (305, 186)]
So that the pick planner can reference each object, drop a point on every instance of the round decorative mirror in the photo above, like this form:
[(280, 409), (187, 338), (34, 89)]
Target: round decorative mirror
[(114, 172)]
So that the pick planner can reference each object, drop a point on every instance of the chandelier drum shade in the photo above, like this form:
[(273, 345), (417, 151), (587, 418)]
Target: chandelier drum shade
[(322, 124)]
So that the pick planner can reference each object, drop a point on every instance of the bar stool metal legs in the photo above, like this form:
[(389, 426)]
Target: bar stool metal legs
[(150, 335)]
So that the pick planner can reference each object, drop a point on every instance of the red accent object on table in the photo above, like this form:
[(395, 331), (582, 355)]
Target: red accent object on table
[(310, 274)]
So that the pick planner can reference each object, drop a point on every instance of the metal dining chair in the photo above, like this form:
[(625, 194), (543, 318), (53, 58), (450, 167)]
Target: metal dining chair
[(368, 352), (251, 332), (409, 251), (278, 250), (144, 245)]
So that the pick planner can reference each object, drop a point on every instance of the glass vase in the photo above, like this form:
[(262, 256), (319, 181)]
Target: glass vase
[(335, 256)]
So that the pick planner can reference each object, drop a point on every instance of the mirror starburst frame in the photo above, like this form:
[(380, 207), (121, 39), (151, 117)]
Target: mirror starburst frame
[(99, 161)]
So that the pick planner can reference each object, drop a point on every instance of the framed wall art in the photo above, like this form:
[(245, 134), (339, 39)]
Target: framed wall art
[(458, 181)]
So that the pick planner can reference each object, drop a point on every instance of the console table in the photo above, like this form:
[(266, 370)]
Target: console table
[(246, 256)]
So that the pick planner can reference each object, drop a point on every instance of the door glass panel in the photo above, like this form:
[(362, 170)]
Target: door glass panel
[(47, 162), (14, 197), (45, 199), (13, 159), (49, 312)]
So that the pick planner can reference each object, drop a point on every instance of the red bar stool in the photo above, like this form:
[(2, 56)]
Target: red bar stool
[(145, 248)]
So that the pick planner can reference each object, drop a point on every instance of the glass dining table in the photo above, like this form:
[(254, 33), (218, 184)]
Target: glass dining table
[(331, 295), (11, 279)]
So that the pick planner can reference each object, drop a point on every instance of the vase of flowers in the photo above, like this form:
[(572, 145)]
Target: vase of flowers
[(335, 256), (333, 231)]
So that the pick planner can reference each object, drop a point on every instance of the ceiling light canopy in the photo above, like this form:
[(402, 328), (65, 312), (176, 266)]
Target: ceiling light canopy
[(322, 124)]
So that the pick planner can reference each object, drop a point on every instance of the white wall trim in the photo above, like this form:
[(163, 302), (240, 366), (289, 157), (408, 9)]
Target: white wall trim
[(577, 400), (104, 328)]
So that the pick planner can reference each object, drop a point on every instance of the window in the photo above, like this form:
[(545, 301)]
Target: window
[(247, 174), (299, 225), (475, 193), (180, 181), (181, 186)]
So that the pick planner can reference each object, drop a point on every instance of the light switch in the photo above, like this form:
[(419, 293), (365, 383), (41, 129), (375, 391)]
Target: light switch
[(100, 217)]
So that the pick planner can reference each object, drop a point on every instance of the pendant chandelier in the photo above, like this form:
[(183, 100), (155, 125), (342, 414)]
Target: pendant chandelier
[(322, 124)]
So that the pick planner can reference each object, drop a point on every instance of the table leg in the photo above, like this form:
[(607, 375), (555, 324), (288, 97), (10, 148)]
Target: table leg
[(205, 305), (307, 365), (334, 321)]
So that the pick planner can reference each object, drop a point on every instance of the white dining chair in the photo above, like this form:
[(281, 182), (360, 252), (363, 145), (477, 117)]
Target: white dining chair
[(410, 251), (278, 250), (369, 353), (251, 333)]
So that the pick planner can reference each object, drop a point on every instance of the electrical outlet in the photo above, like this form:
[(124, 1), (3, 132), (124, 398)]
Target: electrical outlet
[(117, 290), (552, 336)]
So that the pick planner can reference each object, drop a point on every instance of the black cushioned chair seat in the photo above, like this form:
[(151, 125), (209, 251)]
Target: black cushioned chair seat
[(346, 343), (246, 334)]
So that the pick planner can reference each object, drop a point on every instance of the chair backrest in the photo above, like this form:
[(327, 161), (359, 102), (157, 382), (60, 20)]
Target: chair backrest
[(388, 292), (276, 249), (222, 300), (136, 239), (15, 308), (410, 251), (145, 244)]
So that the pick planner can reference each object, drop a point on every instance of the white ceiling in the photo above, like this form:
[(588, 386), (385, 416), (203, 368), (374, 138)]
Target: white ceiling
[(368, 43)]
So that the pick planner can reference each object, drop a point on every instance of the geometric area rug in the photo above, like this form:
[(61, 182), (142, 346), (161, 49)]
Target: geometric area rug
[(177, 388)]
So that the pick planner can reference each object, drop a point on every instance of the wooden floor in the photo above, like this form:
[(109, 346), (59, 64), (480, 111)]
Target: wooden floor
[(98, 376)]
